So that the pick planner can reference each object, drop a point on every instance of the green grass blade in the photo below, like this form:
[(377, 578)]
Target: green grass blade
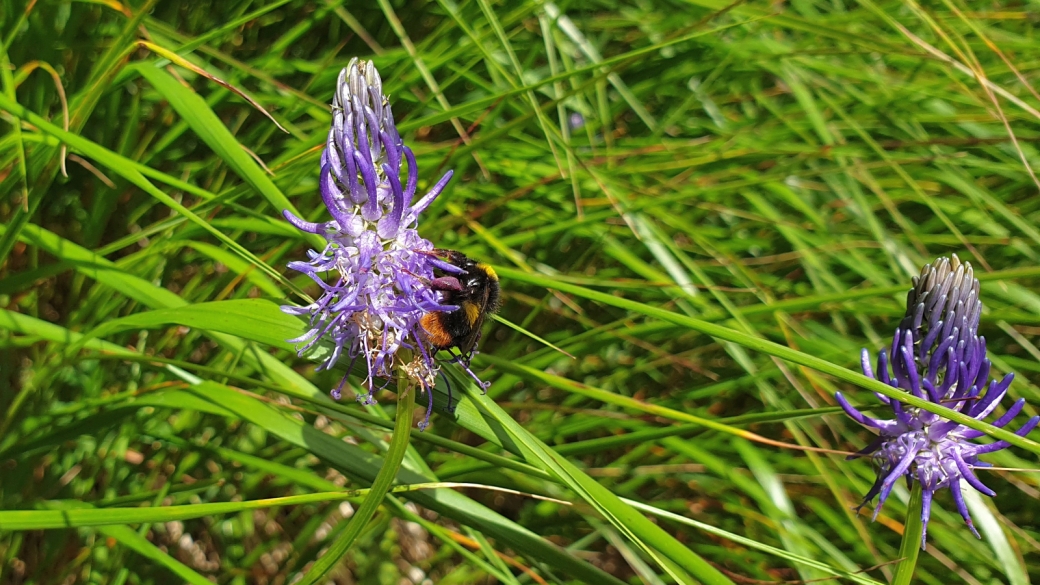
[(364, 465), (910, 547), (387, 472), (991, 530), (197, 113), (665, 549), (777, 350)]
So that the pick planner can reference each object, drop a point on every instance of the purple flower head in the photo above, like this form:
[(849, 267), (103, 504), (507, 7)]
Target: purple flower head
[(375, 270), (937, 355)]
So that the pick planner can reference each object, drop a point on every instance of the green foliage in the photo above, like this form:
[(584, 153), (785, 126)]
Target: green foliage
[(700, 211)]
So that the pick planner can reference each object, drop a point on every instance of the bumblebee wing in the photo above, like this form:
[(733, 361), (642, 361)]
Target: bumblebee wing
[(476, 323), (467, 345)]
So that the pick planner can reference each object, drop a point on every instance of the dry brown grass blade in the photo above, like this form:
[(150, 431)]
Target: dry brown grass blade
[(470, 543), (964, 69), (181, 61), (27, 69), (979, 73), (93, 170)]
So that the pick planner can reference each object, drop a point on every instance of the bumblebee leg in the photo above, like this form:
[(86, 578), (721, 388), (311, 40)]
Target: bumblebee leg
[(462, 361), (468, 356), (447, 383)]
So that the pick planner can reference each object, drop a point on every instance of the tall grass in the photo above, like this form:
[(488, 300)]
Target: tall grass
[(700, 211)]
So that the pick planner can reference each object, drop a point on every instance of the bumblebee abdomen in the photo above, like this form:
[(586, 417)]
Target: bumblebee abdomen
[(436, 332), (444, 329)]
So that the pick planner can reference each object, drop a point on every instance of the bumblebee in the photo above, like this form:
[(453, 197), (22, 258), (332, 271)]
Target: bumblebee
[(475, 291)]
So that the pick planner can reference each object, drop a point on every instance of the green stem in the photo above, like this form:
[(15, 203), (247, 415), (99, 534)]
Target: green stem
[(911, 545), (387, 474)]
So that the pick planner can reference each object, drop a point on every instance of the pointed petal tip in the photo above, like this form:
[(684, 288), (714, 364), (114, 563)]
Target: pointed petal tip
[(877, 510), (864, 361), (1028, 427), (971, 526)]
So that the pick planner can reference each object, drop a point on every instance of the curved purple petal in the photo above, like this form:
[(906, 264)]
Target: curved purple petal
[(929, 340), (930, 390), (926, 514), (390, 223), (864, 363), (992, 399), (861, 418), (914, 381), (305, 226), (332, 196), (937, 356), (962, 507), (938, 431), (873, 491), (446, 267), (882, 367), (897, 472), (427, 199), (969, 475), (393, 155), (1002, 444), (1011, 413), (413, 176), (370, 209), (949, 378), (870, 448)]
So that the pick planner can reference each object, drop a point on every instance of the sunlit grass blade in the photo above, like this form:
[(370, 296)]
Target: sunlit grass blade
[(663, 548), (380, 485), (364, 465), (910, 547), (780, 351)]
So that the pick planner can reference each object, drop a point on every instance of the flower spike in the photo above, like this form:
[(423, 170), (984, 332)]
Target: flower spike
[(936, 355), (379, 265)]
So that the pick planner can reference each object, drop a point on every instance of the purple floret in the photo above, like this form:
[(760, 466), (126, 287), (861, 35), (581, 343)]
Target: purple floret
[(375, 270), (936, 355)]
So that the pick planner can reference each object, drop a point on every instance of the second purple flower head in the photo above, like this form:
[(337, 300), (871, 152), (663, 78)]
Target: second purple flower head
[(936, 355)]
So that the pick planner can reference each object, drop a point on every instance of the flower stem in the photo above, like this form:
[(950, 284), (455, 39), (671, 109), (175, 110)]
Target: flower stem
[(911, 545), (380, 486)]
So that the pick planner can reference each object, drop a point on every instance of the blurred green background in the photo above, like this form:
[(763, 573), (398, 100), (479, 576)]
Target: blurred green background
[(780, 169)]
